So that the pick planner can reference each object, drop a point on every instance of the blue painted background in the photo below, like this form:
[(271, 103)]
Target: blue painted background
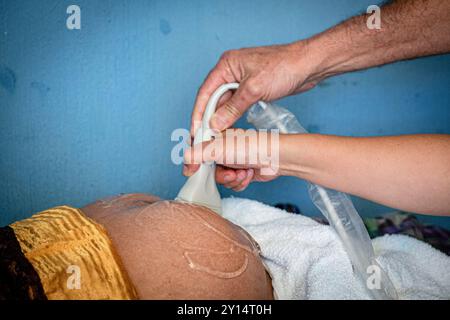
[(89, 113)]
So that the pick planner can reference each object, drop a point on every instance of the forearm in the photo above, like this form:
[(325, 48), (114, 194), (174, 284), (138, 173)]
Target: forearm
[(410, 172), (409, 29)]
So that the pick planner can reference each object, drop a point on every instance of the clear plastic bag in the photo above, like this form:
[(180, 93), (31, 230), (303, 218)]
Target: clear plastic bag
[(336, 206)]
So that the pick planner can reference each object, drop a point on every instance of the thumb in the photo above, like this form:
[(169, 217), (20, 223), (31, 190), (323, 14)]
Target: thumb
[(227, 114)]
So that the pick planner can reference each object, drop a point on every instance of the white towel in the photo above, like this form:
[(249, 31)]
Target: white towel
[(307, 261)]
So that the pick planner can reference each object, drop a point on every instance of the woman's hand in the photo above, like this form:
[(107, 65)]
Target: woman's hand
[(241, 156), (264, 73)]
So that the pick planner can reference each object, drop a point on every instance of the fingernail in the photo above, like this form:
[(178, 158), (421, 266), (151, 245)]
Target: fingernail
[(228, 178), (218, 122), (241, 176)]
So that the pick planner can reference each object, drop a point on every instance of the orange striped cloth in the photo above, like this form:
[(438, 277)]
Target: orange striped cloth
[(73, 256)]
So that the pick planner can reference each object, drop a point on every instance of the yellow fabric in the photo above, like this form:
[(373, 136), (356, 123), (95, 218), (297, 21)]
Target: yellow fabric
[(73, 256)]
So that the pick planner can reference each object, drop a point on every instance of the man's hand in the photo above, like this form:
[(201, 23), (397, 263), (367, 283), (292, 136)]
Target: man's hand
[(264, 73), (409, 29)]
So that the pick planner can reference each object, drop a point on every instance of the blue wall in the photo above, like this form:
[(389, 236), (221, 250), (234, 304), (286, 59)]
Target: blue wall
[(89, 113)]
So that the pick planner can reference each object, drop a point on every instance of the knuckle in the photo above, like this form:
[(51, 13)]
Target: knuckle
[(224, 56), (232, 109), (201, 92), (188, 156), (228, 54), (253, 88)]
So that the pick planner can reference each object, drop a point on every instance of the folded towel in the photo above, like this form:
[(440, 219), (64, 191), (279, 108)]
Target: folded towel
[(307, 261)]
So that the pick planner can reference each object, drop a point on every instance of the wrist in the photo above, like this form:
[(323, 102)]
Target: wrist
[(329, 56), (315, 59), (291, 154), (338, 50)]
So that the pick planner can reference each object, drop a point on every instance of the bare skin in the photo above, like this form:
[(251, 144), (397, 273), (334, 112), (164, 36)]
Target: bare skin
[(177, 251), (409, 29), (408, 172)]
